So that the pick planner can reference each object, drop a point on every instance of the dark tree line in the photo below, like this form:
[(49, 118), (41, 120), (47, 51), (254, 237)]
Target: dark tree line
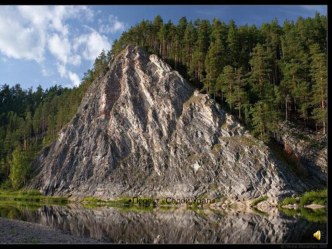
[(261, 74)]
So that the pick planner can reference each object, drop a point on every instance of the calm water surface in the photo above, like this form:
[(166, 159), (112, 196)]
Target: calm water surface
[(113, 225)]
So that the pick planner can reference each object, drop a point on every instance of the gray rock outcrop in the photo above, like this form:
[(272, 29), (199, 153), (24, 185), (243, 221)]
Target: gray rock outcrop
[(141, 129)]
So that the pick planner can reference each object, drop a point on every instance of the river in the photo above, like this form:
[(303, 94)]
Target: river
[(114, 225)]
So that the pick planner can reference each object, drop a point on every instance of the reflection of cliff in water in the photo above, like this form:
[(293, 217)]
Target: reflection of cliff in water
[(111, 225)]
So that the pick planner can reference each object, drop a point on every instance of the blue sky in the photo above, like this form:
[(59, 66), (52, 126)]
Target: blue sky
[(50, 45)]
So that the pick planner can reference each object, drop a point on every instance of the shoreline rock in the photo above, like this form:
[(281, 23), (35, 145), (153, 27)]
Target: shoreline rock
[(22, 232), (314, 206)]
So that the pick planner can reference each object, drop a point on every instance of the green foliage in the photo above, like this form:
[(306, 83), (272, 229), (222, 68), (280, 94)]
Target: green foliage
[(6, 184), (91, 199), (261, 74), (278, 70), (193, 206), (311, 197), (31, 120), (19, 169), (135, 208), (289, 201), (260, 212), (232, 84), (260, 120), (314, 215), (319, 75), (316, 197), (290, 211), (214, 61), (258, 200), (121, 201), (30, 196)]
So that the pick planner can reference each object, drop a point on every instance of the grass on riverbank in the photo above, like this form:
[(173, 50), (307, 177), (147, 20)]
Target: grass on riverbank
[(91, 202), (140, 204), (31, 196), (312, 197)]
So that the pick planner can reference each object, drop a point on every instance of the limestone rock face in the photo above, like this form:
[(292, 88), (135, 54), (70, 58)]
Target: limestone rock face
[(141, 129)]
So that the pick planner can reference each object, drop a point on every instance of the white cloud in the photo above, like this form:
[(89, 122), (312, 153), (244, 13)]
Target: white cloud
[(45, 72), (74, 78), (95, 44), (59, 47), (62, 70), (24, 30), (53, 17), (19, 41), (75, 60), (112, 26), (40, 33), (88, 13), (37, 16), (64, 73), (92, 44)]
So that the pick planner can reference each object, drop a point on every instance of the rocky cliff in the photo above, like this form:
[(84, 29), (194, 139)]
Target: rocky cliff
[(141, 129)]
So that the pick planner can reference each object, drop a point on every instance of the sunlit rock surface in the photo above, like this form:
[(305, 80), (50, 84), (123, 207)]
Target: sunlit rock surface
[(141, 129)]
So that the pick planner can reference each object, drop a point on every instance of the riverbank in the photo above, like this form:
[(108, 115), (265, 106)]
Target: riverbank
[(21, 232)]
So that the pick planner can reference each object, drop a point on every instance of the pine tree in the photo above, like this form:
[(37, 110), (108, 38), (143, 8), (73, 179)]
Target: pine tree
[(272, 33), (226, 82), (19, 169), (319, 76), (240, 93), (258, 112), (181, 30), (264, 120), (201, 48), (27, 130), (260, 71), (214, 59), (233, 45), (157, 24), (189, 42)]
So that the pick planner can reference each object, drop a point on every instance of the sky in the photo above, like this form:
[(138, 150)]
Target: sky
[(48, 45)]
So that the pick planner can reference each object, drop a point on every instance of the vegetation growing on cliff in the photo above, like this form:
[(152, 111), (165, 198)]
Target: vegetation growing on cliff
[(260, 74)]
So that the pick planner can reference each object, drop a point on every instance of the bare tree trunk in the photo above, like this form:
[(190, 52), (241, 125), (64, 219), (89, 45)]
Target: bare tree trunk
[(324, 123), (286, 103)]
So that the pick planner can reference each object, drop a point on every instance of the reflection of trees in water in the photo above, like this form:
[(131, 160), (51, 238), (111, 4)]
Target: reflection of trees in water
[(312, 215), (112, 225), (12, 212)]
